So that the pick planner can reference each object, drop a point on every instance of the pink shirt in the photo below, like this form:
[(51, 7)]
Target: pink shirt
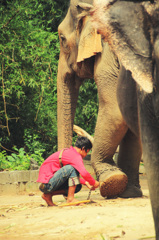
[(69, 156)]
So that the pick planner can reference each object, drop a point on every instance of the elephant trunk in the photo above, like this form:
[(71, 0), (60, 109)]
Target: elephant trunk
[(156, 55), (67, 95)]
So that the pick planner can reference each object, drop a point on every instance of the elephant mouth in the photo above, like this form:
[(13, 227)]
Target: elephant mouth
[(84, 69)]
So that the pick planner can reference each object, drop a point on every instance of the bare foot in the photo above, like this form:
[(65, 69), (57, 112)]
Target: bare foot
[(65, 197), (48, 198), (73, 201)]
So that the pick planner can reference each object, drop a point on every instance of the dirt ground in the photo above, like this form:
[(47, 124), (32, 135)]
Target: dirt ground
[(27, 217)]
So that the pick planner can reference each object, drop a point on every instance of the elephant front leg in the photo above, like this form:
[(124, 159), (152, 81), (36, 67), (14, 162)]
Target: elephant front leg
[(112, 180), (108, 134)]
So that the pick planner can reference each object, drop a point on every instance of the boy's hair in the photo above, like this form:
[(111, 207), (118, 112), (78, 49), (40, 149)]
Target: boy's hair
[(83, 142)]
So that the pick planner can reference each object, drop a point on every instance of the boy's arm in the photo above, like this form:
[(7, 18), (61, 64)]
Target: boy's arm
[(96, 185), (82, 181)]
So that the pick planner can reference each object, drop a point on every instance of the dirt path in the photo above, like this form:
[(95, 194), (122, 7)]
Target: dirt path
[(27, 217)]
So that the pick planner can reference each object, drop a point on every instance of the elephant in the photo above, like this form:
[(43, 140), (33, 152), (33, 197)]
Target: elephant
[(84, 54), (132, 30)]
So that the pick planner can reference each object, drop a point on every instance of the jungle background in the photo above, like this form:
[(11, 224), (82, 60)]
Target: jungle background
[(29, 52)]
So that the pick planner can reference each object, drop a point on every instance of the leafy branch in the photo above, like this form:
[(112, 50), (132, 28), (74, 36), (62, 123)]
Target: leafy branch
[(5, 25), (7, 149), (4, 100)]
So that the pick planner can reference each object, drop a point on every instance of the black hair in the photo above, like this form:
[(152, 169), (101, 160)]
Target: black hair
[(83, 142)]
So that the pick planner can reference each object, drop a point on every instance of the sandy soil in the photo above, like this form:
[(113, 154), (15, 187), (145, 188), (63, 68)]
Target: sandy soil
[(27, 217)]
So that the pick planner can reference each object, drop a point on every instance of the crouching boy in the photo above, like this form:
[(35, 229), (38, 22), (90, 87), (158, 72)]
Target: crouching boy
[(59, 173)]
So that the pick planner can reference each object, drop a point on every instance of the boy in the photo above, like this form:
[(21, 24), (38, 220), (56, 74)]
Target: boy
[(60, 175)]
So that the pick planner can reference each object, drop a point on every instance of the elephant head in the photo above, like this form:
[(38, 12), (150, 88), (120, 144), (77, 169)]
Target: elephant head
[(79, 42)]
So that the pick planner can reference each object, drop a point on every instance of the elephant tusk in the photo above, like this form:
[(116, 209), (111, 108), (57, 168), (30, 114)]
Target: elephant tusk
[(83, 133)]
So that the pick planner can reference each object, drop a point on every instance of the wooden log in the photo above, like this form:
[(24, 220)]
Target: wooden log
[(74, 203)]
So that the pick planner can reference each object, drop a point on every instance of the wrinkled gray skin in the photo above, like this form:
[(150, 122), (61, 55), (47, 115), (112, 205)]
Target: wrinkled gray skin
[(111, 129), (141, 49)]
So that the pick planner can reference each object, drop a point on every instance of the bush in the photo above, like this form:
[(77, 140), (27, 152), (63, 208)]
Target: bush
[(19, 160)]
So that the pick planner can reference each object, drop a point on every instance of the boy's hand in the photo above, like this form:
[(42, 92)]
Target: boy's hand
[(88, 185), (92, 187), (96, 185)]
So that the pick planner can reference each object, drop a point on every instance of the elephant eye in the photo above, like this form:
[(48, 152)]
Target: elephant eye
[(64, 43), (62, 37)]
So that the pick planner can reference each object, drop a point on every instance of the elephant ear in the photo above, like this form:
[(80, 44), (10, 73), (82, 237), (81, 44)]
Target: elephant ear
[(89, 42), (128, 29)]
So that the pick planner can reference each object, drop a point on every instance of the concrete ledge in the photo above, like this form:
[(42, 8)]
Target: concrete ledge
[(18, 181)]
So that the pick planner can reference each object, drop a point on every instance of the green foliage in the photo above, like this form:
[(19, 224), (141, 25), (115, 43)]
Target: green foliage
[(87, 107), (19, 160), (29, 52)]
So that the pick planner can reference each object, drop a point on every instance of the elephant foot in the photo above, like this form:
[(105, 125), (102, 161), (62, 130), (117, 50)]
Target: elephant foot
[(114, 184), (131, 191)]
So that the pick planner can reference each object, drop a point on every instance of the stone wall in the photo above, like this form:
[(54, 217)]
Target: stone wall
[(14, 182)]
